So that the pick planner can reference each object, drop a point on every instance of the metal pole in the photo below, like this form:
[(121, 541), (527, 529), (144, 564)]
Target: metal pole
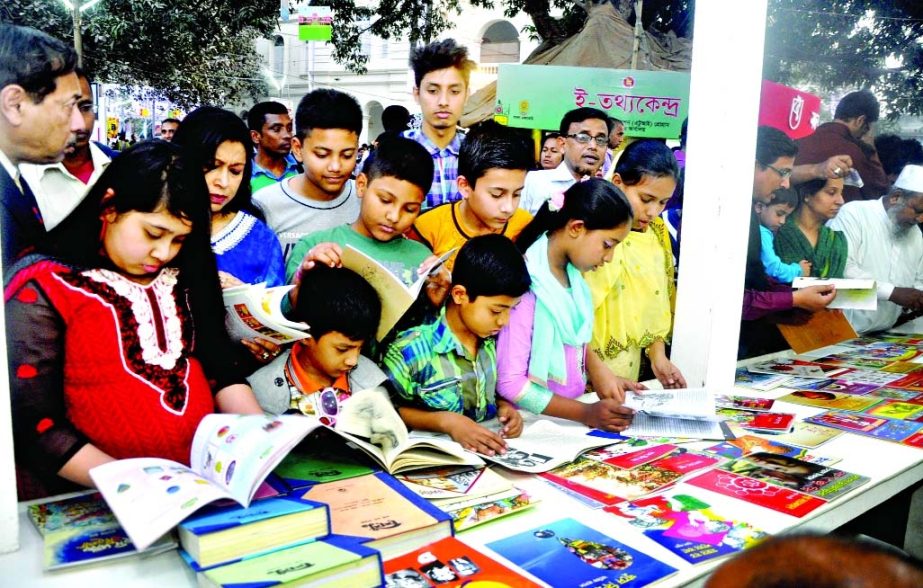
[(639, 30), (78, 38)]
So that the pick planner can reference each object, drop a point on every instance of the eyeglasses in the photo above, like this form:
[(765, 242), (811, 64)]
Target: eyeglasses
[(584, 138), (783, 173)]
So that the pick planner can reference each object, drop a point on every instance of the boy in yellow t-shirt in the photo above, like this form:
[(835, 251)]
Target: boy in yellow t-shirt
[(492, 166)]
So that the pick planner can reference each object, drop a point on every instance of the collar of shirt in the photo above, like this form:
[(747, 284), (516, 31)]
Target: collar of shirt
[(420, 137), (445, 341), (290, 164), (11, 169), (100, 162), (561, 173), (304, 382)]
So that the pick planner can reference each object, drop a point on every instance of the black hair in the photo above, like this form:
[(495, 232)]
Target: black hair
[(202, 132), (494, 146), (440, 55), (401, 158), (386, 136), (491, 265), (598, 203), (581, 114), (613, 122), (33, 60), (338, 299), (256, 116), (552, 135), (856, 104), (148, 177), (175, 121), (327, 109), (395, 118), (791, 197), (647, 157), (771, 144), (895, 153)]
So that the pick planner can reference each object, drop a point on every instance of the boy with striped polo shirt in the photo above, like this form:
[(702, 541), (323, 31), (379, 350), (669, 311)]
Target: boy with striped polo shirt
[(444, 373)]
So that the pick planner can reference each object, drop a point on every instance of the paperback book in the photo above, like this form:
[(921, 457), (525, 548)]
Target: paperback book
[(805, 434), (255, 311), (763, 382), (830, 400), (455, 482), (747, 444), (835, 385), (569, 553), (903, 432), (545, 445), (744, 403), (478, 511), (797, 367)]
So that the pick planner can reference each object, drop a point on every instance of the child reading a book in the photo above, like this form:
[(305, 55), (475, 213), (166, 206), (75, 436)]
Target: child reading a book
[(492, 166), (772, 216), (391, 188), (316, 374), (542, 352), (327, 127), (633, 294), (445, 372), (112, 345)]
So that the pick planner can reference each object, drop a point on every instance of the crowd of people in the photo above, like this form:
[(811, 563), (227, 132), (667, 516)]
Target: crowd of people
[(561, 275)]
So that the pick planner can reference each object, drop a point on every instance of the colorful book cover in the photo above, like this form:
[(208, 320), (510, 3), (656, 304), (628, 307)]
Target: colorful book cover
[(853, 361), (869, 377), (817, 480), (215, 519), (805, 434), (847, 421), (688, 527), (449, 563), (473, 515), (830, 400), (904, 432), (912, 382), (568, 553), (641, 457), (299, 470), (358, 565), (896, 409), (454, 482), (747, 444), (771, 422), (835, 385), (899, 394), (376, 507), (744, 377), (796, 367), (744, 402), (757, 492), (902, 367)]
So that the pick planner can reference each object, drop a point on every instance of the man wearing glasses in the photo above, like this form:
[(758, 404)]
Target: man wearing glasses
[(60, 187), (586, 137)]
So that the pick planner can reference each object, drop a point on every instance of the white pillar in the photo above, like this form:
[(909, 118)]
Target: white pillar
[(724, 96)]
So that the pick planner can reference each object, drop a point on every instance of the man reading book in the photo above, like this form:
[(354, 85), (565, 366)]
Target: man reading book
[(445, 372), (316, 374)]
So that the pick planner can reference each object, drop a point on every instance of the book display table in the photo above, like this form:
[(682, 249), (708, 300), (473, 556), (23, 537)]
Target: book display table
[(890, 467)]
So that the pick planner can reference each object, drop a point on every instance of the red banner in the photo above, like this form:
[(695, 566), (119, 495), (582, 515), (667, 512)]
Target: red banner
[(792, 111)]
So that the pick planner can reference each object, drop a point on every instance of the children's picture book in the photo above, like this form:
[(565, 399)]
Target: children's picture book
[(396, 297), (841, 386), (830, 400), (331, 561), (884, 350), (455, 482), (805, 434), (220, 535), (545, 445), (744, 402), (688, 527), (747, 444), (911, 382), (231, 455), (639, 457), (607, 484), (870, 376), (759, 492), (255, 311), (449, 563), (82, 530), (797, 367), (904, 432), (857, 294), (381, 512), (762, 382), (899, 394), (569, 553), (897, 409), (477, 511)]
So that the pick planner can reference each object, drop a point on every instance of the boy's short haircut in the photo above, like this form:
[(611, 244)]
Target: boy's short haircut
[(491, 146), (403, 159), (579, 115), (256, 116), (440, 55), (338, 299), (786, 196), (327, 109), (491, 265)]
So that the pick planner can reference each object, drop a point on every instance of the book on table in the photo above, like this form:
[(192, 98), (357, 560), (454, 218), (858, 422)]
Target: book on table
[(467, 513), (568, 553), (255, 311), (449, 563), (219, 535), (330, 561), (545, 445), (688, 413), (396, 297), (82, 530), (380, 512)]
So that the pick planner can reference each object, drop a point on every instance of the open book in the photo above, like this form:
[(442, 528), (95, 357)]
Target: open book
[(396, 297), (253, 310), (545, 445), (684, 413), (850, 293), (231, 455)]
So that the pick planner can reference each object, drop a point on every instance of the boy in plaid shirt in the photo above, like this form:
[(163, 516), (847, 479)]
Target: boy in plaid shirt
[(444, 373)]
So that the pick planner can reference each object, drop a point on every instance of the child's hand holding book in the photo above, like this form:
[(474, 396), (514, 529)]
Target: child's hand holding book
[(471, 435), (510, 419)]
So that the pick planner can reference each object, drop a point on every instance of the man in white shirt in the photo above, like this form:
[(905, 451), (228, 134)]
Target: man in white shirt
[(886, 245), (586, 136), (60, 187)]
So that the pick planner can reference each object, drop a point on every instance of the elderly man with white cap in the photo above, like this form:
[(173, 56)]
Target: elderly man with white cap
[(886, 245)]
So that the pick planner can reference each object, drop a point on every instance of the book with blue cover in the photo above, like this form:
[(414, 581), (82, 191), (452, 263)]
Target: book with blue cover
[(568, 553), (223, 534)]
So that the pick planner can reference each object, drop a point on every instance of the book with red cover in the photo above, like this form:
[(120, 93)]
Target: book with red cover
[(449, 563), (770, 422)]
